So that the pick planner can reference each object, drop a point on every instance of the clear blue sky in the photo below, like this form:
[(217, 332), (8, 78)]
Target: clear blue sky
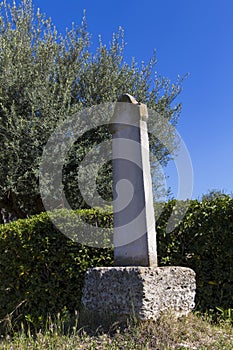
[(193, 37)]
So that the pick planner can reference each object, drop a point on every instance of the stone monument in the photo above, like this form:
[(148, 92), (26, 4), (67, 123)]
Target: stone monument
[(134, 225), (135, 285)]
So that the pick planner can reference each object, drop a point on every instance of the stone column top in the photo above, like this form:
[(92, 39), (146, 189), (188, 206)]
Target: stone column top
[(128, 111), (128, 98)]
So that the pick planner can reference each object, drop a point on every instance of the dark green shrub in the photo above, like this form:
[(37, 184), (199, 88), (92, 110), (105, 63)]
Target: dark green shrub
[(204, 242), (41, 270)]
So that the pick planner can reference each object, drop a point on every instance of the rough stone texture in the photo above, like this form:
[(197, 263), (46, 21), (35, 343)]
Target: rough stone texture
[(142, 291)]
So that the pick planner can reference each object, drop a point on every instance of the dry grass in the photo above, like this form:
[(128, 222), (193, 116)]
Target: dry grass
[(191, 332)]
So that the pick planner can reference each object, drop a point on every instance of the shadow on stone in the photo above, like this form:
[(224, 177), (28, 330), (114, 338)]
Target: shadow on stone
[(143, 292)]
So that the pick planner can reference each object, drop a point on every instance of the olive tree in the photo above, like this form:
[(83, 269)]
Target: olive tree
[(45, 76)]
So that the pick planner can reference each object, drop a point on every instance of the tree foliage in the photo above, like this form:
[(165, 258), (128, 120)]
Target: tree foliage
[(213, 194), (45, 76)]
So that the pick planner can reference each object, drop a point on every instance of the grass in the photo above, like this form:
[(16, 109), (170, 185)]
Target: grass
[(168, 332)]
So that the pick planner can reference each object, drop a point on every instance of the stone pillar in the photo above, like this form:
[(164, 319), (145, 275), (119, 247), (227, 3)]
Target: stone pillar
[(135, 285), (134, 224)]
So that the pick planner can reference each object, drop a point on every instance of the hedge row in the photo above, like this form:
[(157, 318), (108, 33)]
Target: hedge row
[(41, 270), (204, 242)]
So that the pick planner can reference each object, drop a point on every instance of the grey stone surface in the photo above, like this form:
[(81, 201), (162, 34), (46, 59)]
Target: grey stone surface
[(135, 286), (134, 224), (142, 291)]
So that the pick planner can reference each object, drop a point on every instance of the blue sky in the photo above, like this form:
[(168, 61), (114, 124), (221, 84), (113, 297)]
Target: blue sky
[(194, 37)]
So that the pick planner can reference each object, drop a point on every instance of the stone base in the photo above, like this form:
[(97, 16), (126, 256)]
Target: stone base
[(140, 291)]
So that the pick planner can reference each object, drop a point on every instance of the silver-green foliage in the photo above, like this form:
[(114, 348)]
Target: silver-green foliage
[(45, 76)]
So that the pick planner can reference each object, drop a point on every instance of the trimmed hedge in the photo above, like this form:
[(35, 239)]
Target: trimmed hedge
[(42, 271), (204, 242)]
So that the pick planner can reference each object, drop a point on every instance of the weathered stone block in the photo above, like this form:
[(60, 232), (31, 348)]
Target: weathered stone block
[(142, 291)]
